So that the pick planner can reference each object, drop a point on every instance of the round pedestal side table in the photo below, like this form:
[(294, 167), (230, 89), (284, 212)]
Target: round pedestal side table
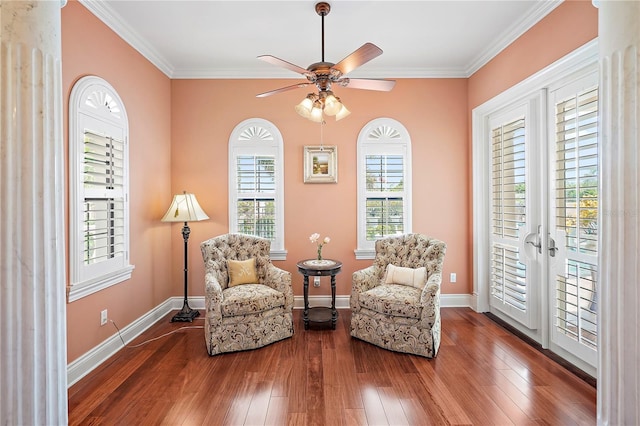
[(318, 268)]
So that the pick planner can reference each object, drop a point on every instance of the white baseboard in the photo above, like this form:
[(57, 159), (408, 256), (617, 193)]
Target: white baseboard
[(342, 301), (455, 300), (473, 302), (86, 363)]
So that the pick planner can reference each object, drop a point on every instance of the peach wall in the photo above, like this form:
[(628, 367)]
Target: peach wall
[(204, 113), (91, 48), (567, 27)]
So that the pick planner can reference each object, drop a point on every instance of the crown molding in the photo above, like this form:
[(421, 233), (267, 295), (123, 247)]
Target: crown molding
[(259, 73), (111, 19), (512, 34)]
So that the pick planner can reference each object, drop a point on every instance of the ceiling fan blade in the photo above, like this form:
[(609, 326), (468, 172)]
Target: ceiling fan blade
[(367, 84), (364, 54), (282, 89), (282, 63)]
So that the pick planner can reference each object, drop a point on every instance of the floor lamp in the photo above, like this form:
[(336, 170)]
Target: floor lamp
[(185, 208)]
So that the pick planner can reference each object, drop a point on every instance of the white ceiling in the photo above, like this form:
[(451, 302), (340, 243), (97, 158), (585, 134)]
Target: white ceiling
[(221, 39)]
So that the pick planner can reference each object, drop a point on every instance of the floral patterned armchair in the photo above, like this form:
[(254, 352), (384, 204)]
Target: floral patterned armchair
[(250, 315), (395, 312)]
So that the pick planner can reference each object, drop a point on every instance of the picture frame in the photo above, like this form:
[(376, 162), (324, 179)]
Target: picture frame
[(321, 164)]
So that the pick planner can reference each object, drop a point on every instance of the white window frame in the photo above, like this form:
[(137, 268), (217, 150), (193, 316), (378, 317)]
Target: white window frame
[(381, 136), (256, 136), (94, 105)]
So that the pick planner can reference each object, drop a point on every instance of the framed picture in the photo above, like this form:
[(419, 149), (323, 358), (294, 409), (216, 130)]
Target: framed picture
[(320, 164)]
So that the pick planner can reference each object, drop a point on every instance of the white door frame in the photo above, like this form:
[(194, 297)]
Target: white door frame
[(581, 59)]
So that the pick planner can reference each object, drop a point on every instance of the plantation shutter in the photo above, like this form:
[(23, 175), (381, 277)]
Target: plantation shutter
[(509, 289), (577, 210), (256, 189), (385, 195), (104, 203)]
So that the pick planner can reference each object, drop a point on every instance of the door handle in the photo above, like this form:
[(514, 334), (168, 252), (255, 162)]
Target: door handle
[(537, 243), (552, 247)]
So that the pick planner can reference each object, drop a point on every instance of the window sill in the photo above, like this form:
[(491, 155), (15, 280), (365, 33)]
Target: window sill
[(365, 254), (82, 289), (278, 254)]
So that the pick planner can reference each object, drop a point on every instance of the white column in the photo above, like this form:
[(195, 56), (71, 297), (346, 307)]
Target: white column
[(619, 290), (33, 384)]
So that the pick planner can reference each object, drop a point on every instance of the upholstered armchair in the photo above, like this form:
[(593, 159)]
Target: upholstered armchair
[(395, 303), (248, 301)]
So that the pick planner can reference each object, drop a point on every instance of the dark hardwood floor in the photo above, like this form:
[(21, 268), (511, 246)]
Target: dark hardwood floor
[(483, 375)]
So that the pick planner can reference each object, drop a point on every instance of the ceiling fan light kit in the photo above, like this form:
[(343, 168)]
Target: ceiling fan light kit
[(323, 74)]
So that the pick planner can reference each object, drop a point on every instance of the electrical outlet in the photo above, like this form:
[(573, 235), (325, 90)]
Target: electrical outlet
[(103, 317), (452, 278), (316, 281)]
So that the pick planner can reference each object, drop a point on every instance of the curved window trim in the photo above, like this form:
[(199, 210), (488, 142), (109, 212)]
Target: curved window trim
[(94, 101), (257, 146), (374, 138)]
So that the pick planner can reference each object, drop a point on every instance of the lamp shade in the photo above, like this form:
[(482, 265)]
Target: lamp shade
[(331, 105), (316, 112), (304, 107), (342, 113), (184, 208)]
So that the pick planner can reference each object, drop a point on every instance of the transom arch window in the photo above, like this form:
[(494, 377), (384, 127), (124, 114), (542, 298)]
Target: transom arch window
[(256, 183), (99, 188), (384, 183)]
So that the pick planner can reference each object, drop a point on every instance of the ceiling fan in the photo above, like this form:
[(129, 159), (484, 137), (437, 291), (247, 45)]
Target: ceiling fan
[(325, 74)]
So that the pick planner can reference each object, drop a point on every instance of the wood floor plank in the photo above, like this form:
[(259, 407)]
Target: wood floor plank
[(346, 378), (354, 417), (440, 392), (239, 408), (429, 411), (315, 403), (477, 405), (507, 405), (277, 411), (296, 419), (333, 405), (521, 399), (482, 375), (259, 406), (392, 405), (416, 415), (373, 408)]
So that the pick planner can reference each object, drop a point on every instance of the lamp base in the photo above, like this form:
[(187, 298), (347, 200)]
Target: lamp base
[(186, 314)]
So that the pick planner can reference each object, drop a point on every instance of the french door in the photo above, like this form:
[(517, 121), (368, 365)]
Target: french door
[(514, 273), (573, 225), (544, 214)]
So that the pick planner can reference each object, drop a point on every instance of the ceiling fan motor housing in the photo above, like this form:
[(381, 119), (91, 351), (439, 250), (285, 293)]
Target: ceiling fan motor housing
[(322, 74)]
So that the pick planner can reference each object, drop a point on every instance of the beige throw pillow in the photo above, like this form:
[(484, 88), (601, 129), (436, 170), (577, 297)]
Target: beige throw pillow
[(413, 277), (242, 272)]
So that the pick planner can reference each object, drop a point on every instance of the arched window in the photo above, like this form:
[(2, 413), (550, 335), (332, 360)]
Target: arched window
[(384, 183), (98, 188), (256, 183)]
